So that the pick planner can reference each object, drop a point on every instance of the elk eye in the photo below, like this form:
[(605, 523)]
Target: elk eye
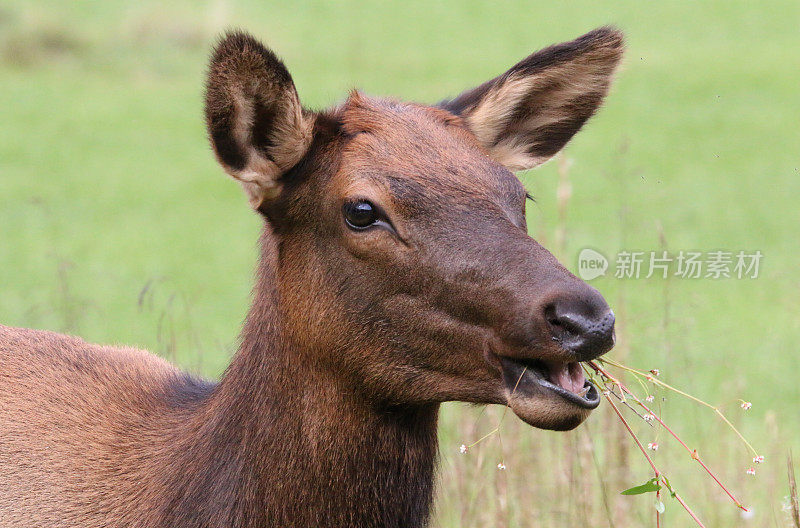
[(360, 215)]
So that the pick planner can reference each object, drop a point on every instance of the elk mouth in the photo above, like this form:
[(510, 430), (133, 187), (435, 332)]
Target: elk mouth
[(534, 377)]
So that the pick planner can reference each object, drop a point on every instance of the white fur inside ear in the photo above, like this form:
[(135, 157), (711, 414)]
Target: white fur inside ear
[(515, 118), (290, 137), (256, 184), (514, 156), (489, 118)]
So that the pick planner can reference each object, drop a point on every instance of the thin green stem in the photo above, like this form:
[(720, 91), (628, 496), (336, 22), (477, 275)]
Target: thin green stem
[(692, 452), (659, 475), (502, 417), (686, 507), (667, 386)]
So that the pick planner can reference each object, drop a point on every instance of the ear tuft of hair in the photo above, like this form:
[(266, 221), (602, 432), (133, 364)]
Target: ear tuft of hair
[(256, 124), (526, 115)]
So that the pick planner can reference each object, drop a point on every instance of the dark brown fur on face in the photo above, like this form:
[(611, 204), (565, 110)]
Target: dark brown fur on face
[(327, 414)]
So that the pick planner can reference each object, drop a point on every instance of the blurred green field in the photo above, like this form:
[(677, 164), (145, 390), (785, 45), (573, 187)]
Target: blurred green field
[(117, 225)]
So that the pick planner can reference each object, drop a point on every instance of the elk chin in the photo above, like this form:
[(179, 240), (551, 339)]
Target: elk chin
[(546, 396), (545, 412)]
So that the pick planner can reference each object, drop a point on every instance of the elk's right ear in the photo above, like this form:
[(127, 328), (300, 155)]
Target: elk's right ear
[(256, 124)]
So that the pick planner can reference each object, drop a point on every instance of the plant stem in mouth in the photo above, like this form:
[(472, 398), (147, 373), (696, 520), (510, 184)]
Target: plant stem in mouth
[(660, 383), (502, 417), (692, 452), (659, 475)]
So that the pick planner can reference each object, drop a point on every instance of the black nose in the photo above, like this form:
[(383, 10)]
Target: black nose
[(582, 324)]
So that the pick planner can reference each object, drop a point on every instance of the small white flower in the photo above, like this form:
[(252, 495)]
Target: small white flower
[(653, 446), (462, 449), (501, 466), (747, 514), (759, 459), (655, 372), (649, 398), (746, 405), (751, 471), (648, 418), (606, 392)]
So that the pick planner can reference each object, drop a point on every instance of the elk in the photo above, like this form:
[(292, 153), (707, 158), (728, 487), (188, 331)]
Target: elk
[(396, 273)]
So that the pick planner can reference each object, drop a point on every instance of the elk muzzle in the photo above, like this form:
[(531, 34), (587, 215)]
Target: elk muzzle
[(547, 387)]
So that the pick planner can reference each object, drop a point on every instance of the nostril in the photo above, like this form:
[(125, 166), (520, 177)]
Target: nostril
[(582, 327), (556, 323), (550, 315), (565, 321)]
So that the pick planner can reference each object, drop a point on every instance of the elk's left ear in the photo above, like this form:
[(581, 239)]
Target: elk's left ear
[(526, 115), (256, 123)]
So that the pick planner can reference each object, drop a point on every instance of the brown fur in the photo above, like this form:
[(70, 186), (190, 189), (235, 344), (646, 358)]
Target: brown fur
[(327, 414)]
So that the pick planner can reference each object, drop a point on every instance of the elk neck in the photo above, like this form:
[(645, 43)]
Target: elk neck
[(294, 445)]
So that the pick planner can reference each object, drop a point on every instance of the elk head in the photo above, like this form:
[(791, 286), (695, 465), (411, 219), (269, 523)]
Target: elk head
[(404, 266)]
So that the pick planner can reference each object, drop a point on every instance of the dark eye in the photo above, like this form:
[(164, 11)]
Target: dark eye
[(360, 214)]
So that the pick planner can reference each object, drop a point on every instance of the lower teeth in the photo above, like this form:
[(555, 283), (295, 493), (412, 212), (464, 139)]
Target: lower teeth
[(583, 392)]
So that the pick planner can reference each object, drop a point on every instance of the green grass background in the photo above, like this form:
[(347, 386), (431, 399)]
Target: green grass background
[(117, 225)]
